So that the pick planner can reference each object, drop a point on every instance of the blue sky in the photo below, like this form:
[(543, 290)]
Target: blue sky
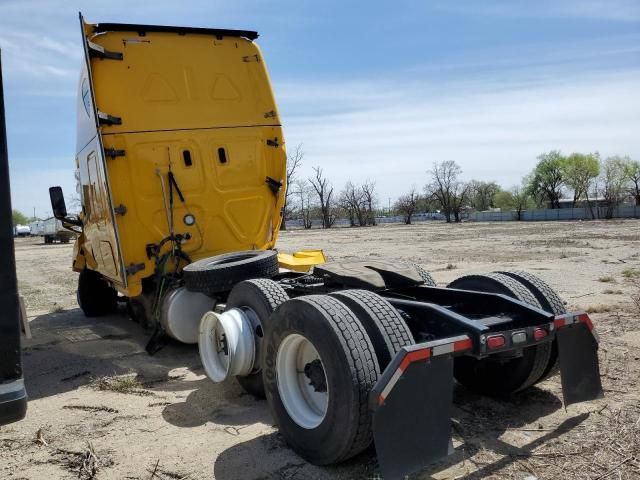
[(373, 90)]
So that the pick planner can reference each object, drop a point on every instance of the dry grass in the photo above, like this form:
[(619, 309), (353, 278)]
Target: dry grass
[(451, 266), (635, 297), (607, 279), (605, 447), (84, 465), (631, 273), (600, 308), (608, 291), (127, 384)]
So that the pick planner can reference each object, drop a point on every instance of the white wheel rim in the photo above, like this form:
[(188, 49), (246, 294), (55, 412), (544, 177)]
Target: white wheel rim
[(303, 403), (226, 344)]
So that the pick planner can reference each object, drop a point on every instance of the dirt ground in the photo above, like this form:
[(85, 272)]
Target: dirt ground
[(100, 407)]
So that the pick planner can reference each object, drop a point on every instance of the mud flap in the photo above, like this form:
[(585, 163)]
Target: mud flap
[(412, 413), (579, 368)]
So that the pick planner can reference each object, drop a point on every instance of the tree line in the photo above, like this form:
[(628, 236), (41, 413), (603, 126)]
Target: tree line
[(584, 177)]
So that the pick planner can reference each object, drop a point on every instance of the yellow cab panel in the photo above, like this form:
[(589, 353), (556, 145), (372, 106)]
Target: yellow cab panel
[(189, 140)]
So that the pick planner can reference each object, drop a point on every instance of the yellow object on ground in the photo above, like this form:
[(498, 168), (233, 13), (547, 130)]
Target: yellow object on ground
[(301, 261)]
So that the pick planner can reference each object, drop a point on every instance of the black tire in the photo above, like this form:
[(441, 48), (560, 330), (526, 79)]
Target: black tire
[(496, 375), (429, 281), (221, 272), (95, 296), (351, 371), (550, 302), (262, 296), (387, 330)]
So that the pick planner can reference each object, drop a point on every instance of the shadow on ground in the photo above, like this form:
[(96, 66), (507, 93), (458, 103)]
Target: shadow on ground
[(478, 422), (68, 350)]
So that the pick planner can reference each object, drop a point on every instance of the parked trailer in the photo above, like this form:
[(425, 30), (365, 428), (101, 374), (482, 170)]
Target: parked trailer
[(52, 230), (182, 203)]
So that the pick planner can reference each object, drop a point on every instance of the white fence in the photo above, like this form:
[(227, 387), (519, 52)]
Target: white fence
[(622, 211)]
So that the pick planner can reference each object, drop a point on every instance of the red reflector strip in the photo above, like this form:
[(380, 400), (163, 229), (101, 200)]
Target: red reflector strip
[(495, 341), (406, 361), (462, 345), (568, 319), (584, 318), (540, 333), (414, 357)]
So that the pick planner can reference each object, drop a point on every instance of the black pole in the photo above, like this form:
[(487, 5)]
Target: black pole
[(13, 397)]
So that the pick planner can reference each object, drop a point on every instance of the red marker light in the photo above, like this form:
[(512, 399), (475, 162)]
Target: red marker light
[(495, 341), (539, 333)]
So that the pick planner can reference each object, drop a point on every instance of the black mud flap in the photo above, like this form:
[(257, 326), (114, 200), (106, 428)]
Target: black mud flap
[(412, 414), (579, 368)]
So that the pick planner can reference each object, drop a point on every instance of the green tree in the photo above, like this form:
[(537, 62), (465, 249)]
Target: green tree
[(481, 194), (19, 218), (632, 173), (516, 198), (546, 181), (579, 172)]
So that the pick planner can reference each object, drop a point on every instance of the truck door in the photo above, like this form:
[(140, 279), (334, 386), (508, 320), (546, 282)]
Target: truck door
[(101, 228)]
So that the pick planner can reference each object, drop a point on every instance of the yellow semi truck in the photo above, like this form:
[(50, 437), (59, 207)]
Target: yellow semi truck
[(182, 167)]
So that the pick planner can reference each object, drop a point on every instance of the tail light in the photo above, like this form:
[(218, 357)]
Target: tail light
[(539, 333), (495, 341)]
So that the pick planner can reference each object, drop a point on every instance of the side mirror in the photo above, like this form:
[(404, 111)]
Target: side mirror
[(57, 202)]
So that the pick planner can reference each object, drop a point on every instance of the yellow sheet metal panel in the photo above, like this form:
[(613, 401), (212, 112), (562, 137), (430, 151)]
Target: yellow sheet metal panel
[(301, 261), (167, 81), (198, 106)]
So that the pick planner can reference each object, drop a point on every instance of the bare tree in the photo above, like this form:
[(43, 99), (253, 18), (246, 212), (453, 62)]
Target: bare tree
[(447, 189), (351, 200), (407, 204), (370, 200), (324, 191), (294, 161), (612, 183), (305, 193)]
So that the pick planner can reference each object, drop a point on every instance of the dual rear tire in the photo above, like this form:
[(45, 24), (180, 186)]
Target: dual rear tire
[(498, 375), (322, 356)]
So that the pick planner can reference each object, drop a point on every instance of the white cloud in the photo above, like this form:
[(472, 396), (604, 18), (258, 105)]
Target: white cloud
[(493, 133), (617, 10)]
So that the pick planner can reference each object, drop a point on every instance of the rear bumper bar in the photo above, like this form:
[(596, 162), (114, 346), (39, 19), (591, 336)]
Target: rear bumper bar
[(412, 400), (13, 401)]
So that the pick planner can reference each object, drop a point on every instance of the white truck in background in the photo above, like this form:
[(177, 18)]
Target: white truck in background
[(21, 231), (52, 231)]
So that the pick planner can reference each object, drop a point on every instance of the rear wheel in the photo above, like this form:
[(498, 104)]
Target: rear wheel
[(258, 298), (319, 369), (95, 296), (500, 375), (386, 329), (551, 302)]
